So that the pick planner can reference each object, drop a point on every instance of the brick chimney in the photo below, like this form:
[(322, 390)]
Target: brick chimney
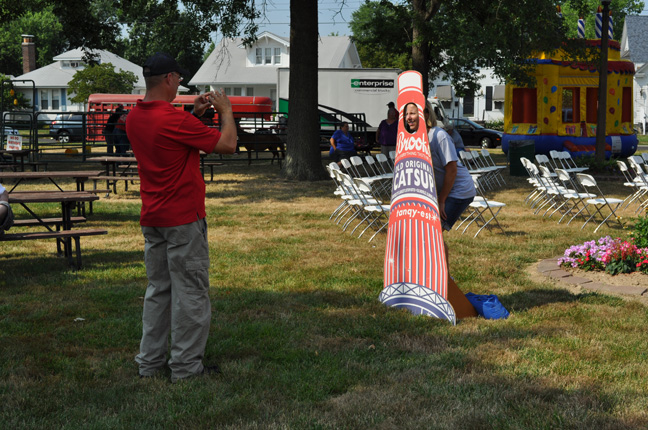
[(28, 53)]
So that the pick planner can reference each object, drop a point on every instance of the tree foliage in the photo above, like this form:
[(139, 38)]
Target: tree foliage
[(184, 32), (11, 100), (134, 29), (100, 78), (44, 25), (382, 32), (454, 38)]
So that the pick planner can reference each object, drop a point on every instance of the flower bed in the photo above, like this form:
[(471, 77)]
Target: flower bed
[(614, 256)]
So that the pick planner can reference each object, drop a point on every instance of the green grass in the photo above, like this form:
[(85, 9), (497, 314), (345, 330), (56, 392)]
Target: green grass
[(300, 335)]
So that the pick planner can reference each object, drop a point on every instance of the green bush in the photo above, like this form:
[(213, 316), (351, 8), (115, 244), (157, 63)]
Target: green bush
[(605, 166), (640, 232), (495, 125)]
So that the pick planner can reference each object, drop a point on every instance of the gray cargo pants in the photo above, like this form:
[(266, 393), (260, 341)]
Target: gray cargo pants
[(177, 300)]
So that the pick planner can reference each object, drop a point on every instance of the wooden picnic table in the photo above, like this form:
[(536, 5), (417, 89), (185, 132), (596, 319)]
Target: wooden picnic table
[(112, 175), (67, 201), (80, 176), (21, 153)]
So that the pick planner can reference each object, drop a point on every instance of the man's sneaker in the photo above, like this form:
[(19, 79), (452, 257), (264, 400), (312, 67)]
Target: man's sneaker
[(207, 370)]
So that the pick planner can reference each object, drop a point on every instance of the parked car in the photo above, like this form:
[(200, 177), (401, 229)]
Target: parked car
[(67, 127), (10, 130), (474, 134)]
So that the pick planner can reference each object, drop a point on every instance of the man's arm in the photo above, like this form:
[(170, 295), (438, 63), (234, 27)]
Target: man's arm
[(227, 142), (448, 183), (6, 216)]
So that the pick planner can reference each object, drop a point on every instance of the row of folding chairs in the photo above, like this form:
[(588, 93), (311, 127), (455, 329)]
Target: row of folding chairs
[(635, 178), (480, 164), (378, 172), (361, 205), (558, 193), (559, 160)]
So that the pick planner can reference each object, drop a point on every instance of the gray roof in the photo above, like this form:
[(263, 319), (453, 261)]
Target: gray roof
[(635, 29), (226, 64), (56, 76)]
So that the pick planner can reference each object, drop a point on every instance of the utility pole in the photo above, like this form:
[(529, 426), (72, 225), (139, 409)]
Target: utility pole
[(602, 92)]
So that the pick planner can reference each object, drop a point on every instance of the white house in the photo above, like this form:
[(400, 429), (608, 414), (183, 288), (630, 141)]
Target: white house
[(486, 105), (252, 71), (634, 47), (51, 81)]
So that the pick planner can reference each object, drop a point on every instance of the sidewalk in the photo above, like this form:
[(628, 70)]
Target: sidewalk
[(549, 268)]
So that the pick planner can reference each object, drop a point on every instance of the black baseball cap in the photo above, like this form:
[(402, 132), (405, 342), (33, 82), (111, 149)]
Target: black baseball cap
[(161, 63), (390, 104)]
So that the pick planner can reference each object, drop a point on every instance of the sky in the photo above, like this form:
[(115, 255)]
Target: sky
[(278, 17), (331, 18)]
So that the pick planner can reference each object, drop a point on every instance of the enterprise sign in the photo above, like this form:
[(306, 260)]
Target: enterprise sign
[(372, 83)]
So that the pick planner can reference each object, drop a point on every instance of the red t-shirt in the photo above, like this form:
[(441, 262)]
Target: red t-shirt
[(167, 144)]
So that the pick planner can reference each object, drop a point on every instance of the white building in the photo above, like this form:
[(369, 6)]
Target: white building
[(634, 47), (51, 82), (486, 105), (252, 71)]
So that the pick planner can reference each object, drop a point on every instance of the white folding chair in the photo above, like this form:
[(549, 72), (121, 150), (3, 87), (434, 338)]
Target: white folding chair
[(641, 177), (491, 162), (569, 164), (356, 201), (636, 184), (575, 198), (588, 182), (484, 175), (543, 160), (482, 212), (385, 165), (377, 214), (339, 190)]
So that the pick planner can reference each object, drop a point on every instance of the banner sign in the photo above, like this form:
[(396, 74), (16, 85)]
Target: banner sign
[(416, 276)]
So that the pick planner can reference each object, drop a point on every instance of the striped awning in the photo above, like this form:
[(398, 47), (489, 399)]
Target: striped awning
[(444, 92), (498, 93)]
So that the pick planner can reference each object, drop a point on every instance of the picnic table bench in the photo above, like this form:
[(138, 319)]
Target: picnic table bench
[(59, 235)]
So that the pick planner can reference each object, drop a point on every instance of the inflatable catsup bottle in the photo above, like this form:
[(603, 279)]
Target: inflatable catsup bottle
[(416, 276)]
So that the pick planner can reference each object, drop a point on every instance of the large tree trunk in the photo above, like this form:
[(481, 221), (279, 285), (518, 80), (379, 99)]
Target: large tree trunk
[(424, 11), (303, 156)]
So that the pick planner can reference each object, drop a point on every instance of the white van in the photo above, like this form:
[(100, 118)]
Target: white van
[(440, 113)]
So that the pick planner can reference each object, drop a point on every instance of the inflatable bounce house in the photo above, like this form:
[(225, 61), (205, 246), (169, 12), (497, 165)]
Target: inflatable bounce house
[(560, 113)]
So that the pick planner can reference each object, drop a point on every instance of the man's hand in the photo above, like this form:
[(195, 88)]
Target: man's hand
[(219, 100), (202, 103), (222, 104)]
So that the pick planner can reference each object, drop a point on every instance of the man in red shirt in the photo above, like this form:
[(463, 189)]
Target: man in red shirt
[(167, 144)]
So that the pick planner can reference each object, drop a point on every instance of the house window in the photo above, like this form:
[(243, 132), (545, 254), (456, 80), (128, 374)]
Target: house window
[(72, 64), (259, 56), (524, 106), (249, 91), (499, 106), (268, 56), (228, 91), (56, 99), (571, 105), (44, 101), (237, 91), (277, 55)]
